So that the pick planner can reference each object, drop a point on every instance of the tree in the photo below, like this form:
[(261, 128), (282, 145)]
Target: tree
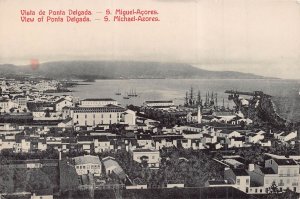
[(47, 111), (243, 124), (273, 189)]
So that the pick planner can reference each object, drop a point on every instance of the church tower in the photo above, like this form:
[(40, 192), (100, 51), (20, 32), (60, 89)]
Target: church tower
[(199, 116)]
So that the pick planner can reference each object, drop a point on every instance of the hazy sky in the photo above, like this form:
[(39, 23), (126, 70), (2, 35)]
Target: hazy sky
[(256, 36)]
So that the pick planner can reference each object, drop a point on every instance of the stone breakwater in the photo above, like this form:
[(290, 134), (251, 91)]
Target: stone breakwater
[(261, 109)]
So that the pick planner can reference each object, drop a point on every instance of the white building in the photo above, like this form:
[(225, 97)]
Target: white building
[(239, 178), (6, 105), (7, 142), (254, 137), (283, 172), (285, 136), (97, 102), (61, 103), (87, 164), (145, 141), (111, 166), (235, 142), (152, 157), (22, 145), (228, 133), (101, 144), (94, 116), (161, 104), (129, 117)]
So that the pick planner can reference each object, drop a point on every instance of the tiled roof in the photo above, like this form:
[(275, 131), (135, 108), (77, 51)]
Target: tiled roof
[(98, 99), (285, 161), (267, 171), (159, 101), (240, 172), (87, 159), (108, 108)]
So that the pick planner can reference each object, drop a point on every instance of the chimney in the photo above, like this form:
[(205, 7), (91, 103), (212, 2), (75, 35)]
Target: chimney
[(251, 167), (199, 116)]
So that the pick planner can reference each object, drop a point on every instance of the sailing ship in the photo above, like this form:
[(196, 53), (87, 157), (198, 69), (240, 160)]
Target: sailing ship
[(118, 93), (126, 96), (132, 93)]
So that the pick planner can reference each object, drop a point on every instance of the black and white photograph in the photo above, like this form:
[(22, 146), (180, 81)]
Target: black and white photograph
[(149, 99)]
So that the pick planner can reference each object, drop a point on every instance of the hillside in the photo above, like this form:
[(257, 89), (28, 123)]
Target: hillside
[(118, 69)]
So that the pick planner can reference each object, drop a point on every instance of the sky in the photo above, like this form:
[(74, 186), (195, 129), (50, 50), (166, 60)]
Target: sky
[(252, 36)]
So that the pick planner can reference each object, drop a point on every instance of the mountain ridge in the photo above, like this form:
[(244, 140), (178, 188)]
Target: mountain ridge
[(123, 69)]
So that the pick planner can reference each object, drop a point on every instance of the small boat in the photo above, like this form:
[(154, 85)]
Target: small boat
[(118, 93)]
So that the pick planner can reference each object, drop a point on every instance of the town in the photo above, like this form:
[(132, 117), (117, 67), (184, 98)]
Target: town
[(61, 146)]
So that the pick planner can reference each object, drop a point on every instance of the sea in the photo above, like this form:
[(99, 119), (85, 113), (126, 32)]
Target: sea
[(285, 93)]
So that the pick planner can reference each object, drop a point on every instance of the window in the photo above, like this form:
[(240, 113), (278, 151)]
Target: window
[(238, 181), (247, 181), (77, 116), (109, 115), (85, 116)]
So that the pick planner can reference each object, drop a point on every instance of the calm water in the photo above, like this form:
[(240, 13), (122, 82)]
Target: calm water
[(285, 92)]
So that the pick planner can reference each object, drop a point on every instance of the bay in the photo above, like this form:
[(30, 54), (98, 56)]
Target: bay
[(285, 93)]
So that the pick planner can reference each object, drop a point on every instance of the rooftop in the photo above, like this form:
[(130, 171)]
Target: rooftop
[(87, 159), (267, 171), (99, 99), (144, 150), (108, 108), (240, 172), (217, 182), (285, 162), (159, 101)]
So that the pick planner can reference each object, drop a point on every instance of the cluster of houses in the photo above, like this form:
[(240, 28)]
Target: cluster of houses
[(31, 121), (278, 174), (92, 120), (14, 95)]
